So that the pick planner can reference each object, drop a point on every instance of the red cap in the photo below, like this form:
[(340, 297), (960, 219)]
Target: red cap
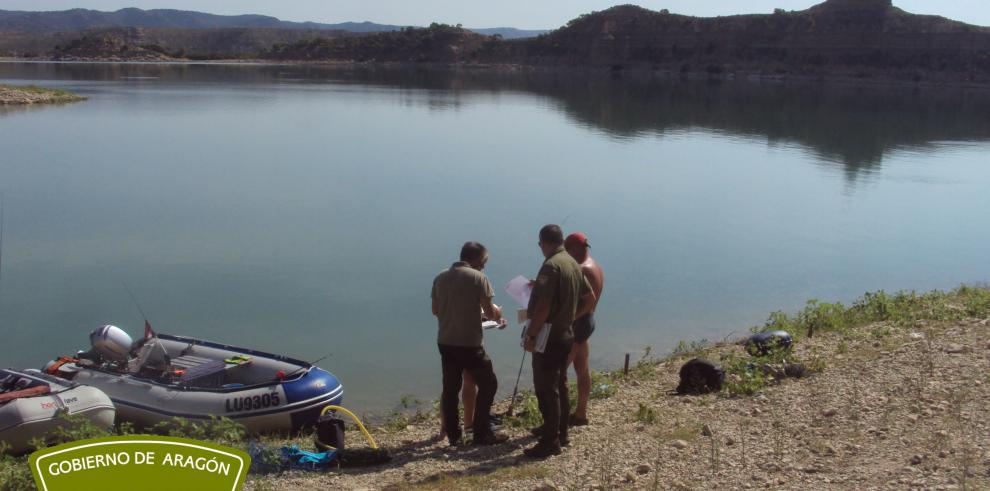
[(577, 238)]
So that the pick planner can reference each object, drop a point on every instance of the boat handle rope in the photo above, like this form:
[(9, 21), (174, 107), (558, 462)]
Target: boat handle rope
[(371, 441)]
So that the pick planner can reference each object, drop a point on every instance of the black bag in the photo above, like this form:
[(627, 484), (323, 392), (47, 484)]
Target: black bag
[(700, 376), (330, 432)]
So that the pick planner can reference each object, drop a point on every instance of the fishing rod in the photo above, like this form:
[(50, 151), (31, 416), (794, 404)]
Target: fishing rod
[(311, 364), (148, 331), (512, 402)]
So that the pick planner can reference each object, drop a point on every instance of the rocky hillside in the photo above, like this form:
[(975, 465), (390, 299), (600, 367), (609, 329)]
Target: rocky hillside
[(83, 19), (194, 44), (837, 33), (75, 20), (838, 38), (436, 44)]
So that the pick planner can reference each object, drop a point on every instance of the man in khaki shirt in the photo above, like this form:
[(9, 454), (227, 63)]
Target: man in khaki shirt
[(561, 293), (460, 295)]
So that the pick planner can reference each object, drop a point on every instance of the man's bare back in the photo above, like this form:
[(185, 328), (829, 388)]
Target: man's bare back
[(593, 272)]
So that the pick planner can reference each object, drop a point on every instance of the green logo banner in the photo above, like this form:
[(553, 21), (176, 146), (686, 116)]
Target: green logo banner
[(140, 462)]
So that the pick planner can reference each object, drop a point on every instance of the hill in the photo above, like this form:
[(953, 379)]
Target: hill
[(838, 38), (838, 35), (83, 19), (438, 43)]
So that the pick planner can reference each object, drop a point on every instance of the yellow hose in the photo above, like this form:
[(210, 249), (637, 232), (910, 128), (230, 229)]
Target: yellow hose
[(371, 441)]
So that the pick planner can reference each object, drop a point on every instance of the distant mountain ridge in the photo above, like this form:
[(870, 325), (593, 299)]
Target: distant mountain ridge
[(83, 19), (850, 39)]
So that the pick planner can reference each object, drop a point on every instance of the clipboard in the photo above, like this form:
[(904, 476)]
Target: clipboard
[(541, 338)]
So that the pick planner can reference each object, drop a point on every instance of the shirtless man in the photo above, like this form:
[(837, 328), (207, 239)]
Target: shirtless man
[(577, 246)]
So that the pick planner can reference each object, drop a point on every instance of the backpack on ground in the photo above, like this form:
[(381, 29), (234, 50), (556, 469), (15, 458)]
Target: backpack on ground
[(700, 376)]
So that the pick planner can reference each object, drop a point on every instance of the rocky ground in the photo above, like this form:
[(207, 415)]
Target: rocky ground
[(893, 407), (11, 95)]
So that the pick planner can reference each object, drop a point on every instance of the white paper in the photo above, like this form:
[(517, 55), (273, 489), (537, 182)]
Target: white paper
[(519, 289), (541, 339)]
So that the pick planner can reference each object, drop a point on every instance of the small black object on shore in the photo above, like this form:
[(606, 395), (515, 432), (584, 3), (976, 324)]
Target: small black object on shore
[(764, 343)]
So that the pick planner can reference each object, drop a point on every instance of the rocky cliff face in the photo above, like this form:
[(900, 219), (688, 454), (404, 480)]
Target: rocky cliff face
[(838, 34)]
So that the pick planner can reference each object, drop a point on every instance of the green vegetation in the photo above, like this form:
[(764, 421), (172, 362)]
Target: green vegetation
[(15, 475), (902, 310), (13, 94), (646, 414)]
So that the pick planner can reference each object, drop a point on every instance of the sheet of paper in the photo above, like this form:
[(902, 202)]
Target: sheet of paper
[(518, 288), (541, 339)]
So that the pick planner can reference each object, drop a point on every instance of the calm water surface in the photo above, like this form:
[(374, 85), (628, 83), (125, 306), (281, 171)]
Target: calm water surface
[(305, 211)]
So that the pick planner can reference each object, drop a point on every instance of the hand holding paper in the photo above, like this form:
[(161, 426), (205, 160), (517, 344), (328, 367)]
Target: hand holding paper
[(520, 289)]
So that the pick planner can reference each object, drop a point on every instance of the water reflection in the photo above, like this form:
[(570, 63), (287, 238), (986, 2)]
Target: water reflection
[(249, 203), (849, 127)]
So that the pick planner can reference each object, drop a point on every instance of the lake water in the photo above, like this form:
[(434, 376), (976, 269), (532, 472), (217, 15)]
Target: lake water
[(305, 211)]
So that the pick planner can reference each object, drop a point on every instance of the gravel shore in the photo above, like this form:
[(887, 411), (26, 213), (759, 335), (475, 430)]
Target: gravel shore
[(892, 408), (11, 95)]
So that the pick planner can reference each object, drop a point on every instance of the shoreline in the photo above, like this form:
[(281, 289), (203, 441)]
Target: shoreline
[(895, 402), (843, 77), (17, 95), (892, 395)]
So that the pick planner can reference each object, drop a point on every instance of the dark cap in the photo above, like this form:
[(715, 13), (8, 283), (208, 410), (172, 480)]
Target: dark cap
[(577, 238)]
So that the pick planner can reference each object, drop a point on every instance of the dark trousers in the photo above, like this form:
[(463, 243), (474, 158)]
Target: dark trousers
[(550, 384), (455, 360)]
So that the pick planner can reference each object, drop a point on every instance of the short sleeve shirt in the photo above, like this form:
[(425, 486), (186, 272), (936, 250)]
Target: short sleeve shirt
[(458, 292), (560, 279)]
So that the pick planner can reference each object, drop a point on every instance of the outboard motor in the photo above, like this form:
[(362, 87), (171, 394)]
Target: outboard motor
[(111, 342)]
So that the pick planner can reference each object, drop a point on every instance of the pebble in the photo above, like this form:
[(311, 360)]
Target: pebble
[(916, 459), (828, 413), (629, 477), (954, 348), (643, 469), (679, 444), (546, 486), (707, 430), (729, 441)]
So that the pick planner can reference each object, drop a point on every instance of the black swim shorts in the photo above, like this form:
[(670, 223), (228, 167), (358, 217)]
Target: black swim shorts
[(583, 327)]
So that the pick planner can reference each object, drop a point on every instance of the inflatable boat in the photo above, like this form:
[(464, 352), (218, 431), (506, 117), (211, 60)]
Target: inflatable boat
[(31, 402), (164, 376)]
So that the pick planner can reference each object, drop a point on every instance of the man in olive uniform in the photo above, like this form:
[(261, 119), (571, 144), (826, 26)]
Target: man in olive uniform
[(560, 294), (460, 295)]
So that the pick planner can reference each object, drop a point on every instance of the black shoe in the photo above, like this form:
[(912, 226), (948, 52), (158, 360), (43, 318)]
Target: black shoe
[(537, 432), (490, 439), (575, 420), (454, 440), (564, 441), (542, 450)]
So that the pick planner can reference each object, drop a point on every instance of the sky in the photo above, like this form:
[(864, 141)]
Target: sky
[(524, 14)]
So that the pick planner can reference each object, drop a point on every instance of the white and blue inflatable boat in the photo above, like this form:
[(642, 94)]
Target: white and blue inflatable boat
[(164, 376)]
